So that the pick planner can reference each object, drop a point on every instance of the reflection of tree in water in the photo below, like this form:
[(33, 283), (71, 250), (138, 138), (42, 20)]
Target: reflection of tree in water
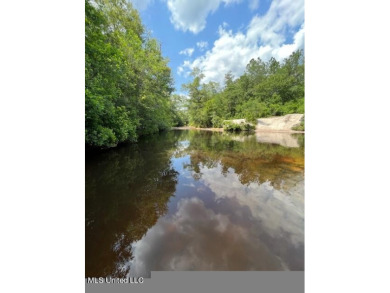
[(127, 190), (253, 162)]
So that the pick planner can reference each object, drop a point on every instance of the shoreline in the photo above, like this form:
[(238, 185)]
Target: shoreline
[(221, 130), (274, 124), (196, 128)]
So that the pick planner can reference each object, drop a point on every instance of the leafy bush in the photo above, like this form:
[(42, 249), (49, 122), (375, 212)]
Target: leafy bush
[(251, 110), (231, 126), (247, 127), (295, 106), (217, 121)]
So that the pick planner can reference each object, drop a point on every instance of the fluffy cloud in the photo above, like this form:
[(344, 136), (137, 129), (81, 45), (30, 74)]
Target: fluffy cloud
[(190, 15), (202, 45), (182, 68), (187, 52), (265, 37)]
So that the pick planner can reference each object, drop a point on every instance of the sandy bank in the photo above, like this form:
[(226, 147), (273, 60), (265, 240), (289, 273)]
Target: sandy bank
[(277, 124), (271, 124)]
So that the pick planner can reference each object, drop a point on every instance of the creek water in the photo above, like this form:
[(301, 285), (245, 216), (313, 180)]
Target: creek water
[(196, 200)]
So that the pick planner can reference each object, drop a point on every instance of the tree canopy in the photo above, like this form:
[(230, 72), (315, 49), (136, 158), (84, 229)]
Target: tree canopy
[(127, 81), (265, 89)]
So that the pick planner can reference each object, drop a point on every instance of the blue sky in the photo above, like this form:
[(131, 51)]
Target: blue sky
[(219, 36)]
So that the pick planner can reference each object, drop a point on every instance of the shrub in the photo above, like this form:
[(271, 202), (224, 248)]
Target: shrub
[(217, 121), (231, 126), (247, 127)]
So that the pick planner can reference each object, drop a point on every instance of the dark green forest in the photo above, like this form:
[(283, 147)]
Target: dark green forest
[(129, 86)]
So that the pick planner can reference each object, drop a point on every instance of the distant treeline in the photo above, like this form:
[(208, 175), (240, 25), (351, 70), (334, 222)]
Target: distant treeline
[(265, 89), (128, 83)]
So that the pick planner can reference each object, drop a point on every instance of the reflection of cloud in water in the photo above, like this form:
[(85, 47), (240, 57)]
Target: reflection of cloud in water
[(181, 146), (240, 227), (189, 184), (253, 227), (230, 224), (278, 211), (198, 238)]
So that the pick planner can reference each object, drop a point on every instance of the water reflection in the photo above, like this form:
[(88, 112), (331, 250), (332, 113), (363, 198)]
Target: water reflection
[(127, 190), (280, 138), (188, 200)]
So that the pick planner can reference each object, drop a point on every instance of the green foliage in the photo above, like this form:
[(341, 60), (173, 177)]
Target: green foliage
[(248, 127), (231, 126), (178, 110), (216, 121), (253, 109), (127, 81), (265, 89)]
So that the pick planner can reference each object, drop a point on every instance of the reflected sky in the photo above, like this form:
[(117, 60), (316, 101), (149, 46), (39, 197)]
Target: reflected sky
[(206, 201)]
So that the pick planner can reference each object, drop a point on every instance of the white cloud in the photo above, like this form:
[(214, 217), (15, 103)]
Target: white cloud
[(187, 52), (254, 4), (181, 68), (141, 4), (190, 15), (202, 45), (264, 38)]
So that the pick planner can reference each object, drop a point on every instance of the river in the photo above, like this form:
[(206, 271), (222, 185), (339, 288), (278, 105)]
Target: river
[(196, 200)]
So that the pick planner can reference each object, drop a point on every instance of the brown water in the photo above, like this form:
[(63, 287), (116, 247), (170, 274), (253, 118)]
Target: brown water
[(196, 200)]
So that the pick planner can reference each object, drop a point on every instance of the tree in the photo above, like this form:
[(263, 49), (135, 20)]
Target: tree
[(127, 81), (265, 89)]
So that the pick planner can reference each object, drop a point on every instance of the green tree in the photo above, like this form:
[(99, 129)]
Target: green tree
[(265, 89), (127, 81)]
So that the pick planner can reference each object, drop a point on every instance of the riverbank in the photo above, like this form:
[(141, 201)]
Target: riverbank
[(221, 130), (283, 124), (197, 128)]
